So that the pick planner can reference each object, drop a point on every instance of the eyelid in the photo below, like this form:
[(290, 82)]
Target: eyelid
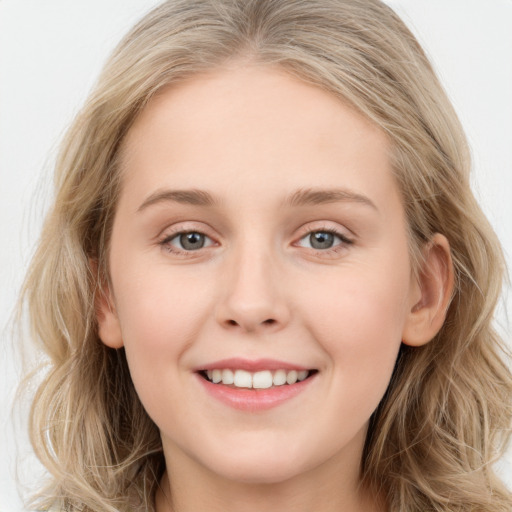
[(316, 226), (169, 239), (185, 227), (172, 232), (345, 240)]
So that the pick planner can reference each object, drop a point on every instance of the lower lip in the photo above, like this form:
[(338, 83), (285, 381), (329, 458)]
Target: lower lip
[(255, 399)]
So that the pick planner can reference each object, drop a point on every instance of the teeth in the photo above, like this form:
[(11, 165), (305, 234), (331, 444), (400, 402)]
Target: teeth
[(262, 380), (257, 380), (279, 378), (227, 377), (302, 375), (243, 379), (291, 378)]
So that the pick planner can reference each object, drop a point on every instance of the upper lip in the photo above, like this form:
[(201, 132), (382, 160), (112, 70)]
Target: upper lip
[(251, 365)]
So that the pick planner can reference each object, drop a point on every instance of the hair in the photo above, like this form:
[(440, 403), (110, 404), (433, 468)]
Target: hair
[(445, 417)]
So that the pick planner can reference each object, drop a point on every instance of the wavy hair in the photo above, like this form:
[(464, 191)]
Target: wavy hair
[(445, 417)]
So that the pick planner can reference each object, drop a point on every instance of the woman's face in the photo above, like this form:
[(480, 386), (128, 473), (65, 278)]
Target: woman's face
[(259, 237)]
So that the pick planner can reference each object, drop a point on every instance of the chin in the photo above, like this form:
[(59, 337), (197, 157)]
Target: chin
[(263, 468), (271, 473)]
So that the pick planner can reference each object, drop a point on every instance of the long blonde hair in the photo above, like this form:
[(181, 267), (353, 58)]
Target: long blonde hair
[(446, 414)]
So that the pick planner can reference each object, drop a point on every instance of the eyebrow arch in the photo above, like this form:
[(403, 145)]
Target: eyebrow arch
[(302, 197), (312, 196), (193, 197)]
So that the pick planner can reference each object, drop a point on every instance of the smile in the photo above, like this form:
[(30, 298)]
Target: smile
[(254, 386), (257, 380)]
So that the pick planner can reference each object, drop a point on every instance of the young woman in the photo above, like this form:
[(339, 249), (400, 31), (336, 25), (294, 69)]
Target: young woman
[(265, 282)]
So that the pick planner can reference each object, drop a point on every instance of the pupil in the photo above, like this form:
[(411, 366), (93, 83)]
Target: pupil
[(192, 241), (321, 240)]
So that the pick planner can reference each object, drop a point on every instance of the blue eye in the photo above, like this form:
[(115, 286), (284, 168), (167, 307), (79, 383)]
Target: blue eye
[(322, 240), (188, 241)]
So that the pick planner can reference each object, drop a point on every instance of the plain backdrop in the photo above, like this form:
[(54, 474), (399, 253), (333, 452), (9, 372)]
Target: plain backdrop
[(50, 54)]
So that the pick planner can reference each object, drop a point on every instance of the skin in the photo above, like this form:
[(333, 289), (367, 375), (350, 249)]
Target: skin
[(252, 137)]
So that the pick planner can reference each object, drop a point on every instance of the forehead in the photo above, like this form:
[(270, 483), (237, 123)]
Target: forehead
[(243, 127)]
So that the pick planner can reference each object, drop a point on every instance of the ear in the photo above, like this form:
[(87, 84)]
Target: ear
[(434, 288), (109, 328)]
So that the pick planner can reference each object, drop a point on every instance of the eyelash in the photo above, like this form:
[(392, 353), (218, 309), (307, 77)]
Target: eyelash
[(166, 243), (343, 242)]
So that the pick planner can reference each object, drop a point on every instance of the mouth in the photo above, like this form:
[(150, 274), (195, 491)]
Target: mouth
[(264, 379), (254, 385)]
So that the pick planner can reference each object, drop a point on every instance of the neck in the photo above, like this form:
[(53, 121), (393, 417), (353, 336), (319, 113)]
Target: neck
[(188, 487), (271, 498)]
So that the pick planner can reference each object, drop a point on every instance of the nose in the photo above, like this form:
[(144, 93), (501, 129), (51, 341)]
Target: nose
[(253, 298)]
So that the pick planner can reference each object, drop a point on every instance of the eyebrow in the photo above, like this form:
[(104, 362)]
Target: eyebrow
[(302, 197), (312, 196), (193, 197)]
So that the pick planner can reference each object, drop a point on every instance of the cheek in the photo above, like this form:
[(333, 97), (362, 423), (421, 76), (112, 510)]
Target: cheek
[(358, 320), (358, 307), (159, 315), (158, 306)]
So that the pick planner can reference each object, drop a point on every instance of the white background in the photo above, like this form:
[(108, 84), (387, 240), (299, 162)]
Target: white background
[(50, 54)]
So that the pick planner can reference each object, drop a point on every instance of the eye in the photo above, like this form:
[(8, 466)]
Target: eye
[(187, 241), (323, 240)]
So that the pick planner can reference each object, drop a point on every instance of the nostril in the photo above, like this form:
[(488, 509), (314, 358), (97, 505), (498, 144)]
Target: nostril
[(234, 323)]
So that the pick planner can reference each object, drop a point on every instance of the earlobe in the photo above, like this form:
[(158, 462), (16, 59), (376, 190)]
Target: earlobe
[(435, 283), (109, 328)]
